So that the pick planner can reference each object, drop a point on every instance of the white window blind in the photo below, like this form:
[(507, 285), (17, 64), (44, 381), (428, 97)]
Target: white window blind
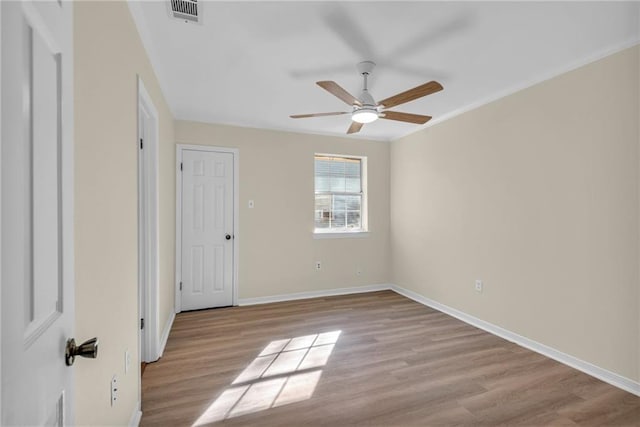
[(338, 193)]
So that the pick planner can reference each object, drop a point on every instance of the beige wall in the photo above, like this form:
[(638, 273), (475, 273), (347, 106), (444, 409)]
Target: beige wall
[(108, 58), (277, 248), (537, 194)]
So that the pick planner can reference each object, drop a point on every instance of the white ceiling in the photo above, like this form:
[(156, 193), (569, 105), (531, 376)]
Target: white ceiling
[(255, 63)]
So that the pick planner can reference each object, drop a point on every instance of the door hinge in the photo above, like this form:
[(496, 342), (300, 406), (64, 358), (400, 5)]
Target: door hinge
[(180, 165), (141, 144), (141, 323), (180, 285)]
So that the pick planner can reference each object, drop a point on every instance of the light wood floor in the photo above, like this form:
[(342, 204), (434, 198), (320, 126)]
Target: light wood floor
[(394, 363)]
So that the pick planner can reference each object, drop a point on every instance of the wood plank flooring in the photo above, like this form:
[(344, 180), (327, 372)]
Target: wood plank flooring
[(366, 359)]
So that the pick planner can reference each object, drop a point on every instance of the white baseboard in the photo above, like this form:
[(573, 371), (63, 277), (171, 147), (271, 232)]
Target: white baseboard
[(612, 378), (136, 416), (605, 375), (165, 334), (313, 294)]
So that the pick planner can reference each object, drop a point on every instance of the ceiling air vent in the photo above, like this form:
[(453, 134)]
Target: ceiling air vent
[(185, 10)]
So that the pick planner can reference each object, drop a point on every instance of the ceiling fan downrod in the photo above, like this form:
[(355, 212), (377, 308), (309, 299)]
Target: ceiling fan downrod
[(367, 112), (366, 68)]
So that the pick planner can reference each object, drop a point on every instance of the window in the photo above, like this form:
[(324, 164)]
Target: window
[(340, 192)]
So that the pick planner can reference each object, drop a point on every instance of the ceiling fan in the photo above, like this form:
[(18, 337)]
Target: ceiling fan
[(366, 110)]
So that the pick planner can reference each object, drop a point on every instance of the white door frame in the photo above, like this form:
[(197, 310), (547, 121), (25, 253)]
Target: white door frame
[(0, 215), (236, 211), (148, 229)]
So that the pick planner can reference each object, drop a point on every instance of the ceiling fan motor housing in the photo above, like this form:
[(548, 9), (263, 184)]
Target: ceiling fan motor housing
[(366, 99), (369, 111)]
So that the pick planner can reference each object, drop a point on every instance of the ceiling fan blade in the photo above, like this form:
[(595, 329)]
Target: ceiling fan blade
[(411, 94), (405, 117), (355, 127), (302, 116), (431, 36), (349, 29), (336, 90)]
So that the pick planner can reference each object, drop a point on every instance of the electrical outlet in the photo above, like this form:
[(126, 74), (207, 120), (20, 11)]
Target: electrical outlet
[(318, 265), (251, 205), (114, 390), (479, 286), (127, 361), (358, 271)]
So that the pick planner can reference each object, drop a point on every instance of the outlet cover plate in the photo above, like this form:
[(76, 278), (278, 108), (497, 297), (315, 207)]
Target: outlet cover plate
[(478, 285), (114, 390)]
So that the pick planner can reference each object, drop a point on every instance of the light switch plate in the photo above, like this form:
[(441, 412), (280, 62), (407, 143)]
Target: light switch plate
[(127, 361)]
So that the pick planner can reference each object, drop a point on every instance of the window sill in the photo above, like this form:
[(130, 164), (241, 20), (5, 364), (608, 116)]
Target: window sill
[(340, 235)]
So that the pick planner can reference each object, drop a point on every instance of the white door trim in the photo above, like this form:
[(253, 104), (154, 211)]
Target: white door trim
[(1, 214), (148, 218), (236, 212)]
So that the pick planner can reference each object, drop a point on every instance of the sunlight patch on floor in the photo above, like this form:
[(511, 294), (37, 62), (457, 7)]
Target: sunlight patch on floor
[(286, 371)]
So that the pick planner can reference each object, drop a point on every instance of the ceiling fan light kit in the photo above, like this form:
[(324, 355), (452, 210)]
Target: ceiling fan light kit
[(365, 108), (365, 115)]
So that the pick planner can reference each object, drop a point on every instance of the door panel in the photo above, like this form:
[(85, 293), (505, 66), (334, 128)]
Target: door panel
[(207, 217), (37, 237), (44, 295)]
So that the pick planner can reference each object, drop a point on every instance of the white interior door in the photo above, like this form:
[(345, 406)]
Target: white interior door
[(37, 220), (143, 246), (207, 229), (148, 255)]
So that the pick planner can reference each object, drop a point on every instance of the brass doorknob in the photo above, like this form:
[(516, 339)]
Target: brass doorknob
[(87, 349)]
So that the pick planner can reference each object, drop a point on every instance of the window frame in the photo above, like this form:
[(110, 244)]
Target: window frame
[(363, 231)]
